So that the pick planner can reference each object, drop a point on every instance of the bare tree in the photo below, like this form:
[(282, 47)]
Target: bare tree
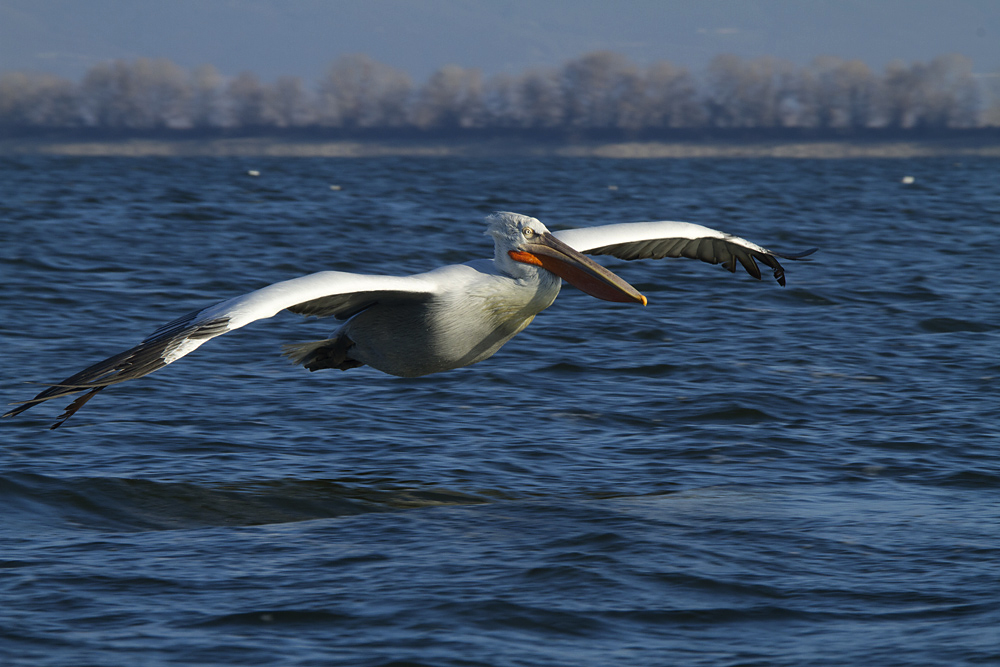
[(597, 90), (357, 91), (838, 93), (820, 93), (947, 94), (106, 95), (532, 100), (247, 99), (941, 93), (37, 100), (451, 98), (205, 105), (897, 95), (288, 103), (540, 99), (725, 95), (392, 103), (671, 97), (56, 103), (501, 104), (756, 93), (142, 94), (602, 89), (630, 109), (161, 90), (15, 99), (991, 103), (858, 85)]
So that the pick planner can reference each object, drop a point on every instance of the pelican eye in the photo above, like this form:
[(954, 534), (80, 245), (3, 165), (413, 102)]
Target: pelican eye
[(528, 232)]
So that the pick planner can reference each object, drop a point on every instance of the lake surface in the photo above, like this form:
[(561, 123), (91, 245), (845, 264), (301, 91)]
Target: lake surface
[(737, 474)]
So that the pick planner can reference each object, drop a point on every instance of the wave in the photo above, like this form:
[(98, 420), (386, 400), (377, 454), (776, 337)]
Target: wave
[(128, 505)]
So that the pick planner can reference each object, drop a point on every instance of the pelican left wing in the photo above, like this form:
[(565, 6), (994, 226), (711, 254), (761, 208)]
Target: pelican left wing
[(656, 240), (320, 294)]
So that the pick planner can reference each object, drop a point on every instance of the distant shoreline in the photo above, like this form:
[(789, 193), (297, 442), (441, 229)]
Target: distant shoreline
[(264, 146)]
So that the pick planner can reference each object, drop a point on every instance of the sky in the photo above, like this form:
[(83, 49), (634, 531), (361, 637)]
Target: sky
[(302, 37)]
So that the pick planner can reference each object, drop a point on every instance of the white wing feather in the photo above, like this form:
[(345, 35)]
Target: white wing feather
[(320, 294), (655, 240), (586, 238)]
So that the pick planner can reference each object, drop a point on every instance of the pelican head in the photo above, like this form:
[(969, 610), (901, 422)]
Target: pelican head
[(527, 241)]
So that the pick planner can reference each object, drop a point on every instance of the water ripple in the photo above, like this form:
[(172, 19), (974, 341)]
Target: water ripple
[(735, 474)]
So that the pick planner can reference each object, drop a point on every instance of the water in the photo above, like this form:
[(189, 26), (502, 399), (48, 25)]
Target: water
[(737, 474)]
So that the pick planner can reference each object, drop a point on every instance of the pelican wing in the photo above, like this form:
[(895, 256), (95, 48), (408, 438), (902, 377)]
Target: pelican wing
[(324, 294), (656, 240)]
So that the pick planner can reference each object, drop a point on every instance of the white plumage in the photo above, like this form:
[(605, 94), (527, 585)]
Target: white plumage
[(430, 322)]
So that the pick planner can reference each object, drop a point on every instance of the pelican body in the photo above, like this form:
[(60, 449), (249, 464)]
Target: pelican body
[(447, 318)]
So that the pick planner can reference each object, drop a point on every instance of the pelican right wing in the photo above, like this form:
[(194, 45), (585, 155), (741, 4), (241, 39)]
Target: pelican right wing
[(328, 293), (656, 240)]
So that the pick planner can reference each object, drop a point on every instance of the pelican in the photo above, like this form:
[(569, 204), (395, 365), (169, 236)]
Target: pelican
[(447, 318)]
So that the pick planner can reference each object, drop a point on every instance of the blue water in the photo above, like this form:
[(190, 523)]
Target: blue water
[(737, 474)]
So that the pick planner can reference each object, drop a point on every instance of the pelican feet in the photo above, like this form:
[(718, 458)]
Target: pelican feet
[(320, 354)]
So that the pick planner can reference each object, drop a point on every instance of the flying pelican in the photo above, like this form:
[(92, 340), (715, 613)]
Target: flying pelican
[(447, 318)]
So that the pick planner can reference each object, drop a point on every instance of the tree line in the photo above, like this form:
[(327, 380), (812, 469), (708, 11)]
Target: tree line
[(597, 91)]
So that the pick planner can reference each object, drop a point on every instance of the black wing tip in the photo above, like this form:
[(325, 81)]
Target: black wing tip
[(779, 271), (15, 412), (72, 408), (796, 256)]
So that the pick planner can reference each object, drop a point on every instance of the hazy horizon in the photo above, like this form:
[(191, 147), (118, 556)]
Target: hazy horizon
[(301, 37)]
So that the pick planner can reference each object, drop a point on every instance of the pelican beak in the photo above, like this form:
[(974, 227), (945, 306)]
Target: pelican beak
[(577, 269)]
